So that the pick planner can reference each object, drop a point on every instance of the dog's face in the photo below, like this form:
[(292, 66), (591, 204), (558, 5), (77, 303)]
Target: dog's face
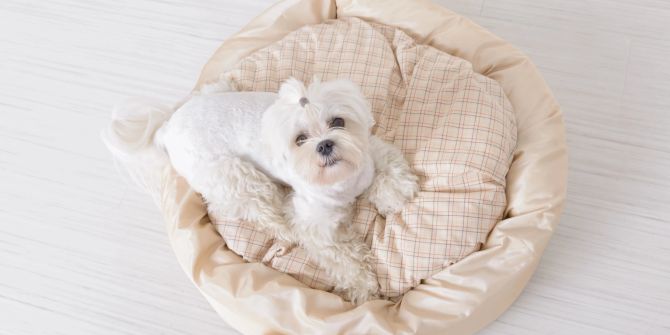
[(320, 132)]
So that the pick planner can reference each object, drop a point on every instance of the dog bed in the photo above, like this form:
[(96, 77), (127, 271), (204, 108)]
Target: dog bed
[(463, 285), (454, 126)]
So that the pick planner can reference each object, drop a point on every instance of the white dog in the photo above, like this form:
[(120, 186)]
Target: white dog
[(238, 149)]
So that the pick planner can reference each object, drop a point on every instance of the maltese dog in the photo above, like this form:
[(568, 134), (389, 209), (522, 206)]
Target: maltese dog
[(241, 149)]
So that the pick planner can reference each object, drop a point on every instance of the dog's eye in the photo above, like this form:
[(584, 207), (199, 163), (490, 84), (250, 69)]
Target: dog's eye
[(300, 139), (337, 122)]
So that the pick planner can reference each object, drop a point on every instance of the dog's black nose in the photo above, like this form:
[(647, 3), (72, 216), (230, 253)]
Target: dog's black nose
[(325, 147)]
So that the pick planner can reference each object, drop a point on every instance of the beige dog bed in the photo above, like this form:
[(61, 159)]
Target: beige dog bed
[(454, 126), (461, 288)]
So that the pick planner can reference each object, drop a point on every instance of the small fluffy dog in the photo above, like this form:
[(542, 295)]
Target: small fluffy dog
[(239, 150)]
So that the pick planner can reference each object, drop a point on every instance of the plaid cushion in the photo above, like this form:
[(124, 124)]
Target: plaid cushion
[(455, 127)]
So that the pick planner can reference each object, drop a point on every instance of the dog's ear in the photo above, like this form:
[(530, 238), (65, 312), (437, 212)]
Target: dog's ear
[(292, 90), (347, 92)]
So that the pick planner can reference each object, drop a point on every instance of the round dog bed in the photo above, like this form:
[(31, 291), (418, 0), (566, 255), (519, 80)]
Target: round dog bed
[(459, 299)]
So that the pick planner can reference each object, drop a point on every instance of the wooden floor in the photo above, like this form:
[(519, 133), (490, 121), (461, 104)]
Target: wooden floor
[(83, 252)]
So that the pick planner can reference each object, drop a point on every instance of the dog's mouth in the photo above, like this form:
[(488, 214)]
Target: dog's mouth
[(330, 161)]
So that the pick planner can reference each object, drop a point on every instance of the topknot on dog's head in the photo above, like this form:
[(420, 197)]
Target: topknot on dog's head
[(342, 92), (292, 91)]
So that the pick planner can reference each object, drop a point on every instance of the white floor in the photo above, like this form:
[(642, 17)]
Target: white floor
[(83, 252)]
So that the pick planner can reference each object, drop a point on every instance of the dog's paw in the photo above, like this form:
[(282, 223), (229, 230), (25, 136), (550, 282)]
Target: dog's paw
[(390, 193), (364, 288)]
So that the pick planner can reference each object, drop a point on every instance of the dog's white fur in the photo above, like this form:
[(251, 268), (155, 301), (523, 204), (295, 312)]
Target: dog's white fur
[(239, 150)]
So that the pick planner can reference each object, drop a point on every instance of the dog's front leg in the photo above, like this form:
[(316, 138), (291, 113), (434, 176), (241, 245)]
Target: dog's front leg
[(347, 259), (394, 183)]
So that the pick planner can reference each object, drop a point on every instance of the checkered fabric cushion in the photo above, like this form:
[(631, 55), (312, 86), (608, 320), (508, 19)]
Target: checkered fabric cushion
[(455, 127)]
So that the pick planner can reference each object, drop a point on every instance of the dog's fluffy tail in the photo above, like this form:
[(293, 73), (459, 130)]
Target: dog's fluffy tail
[(133, 137)]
